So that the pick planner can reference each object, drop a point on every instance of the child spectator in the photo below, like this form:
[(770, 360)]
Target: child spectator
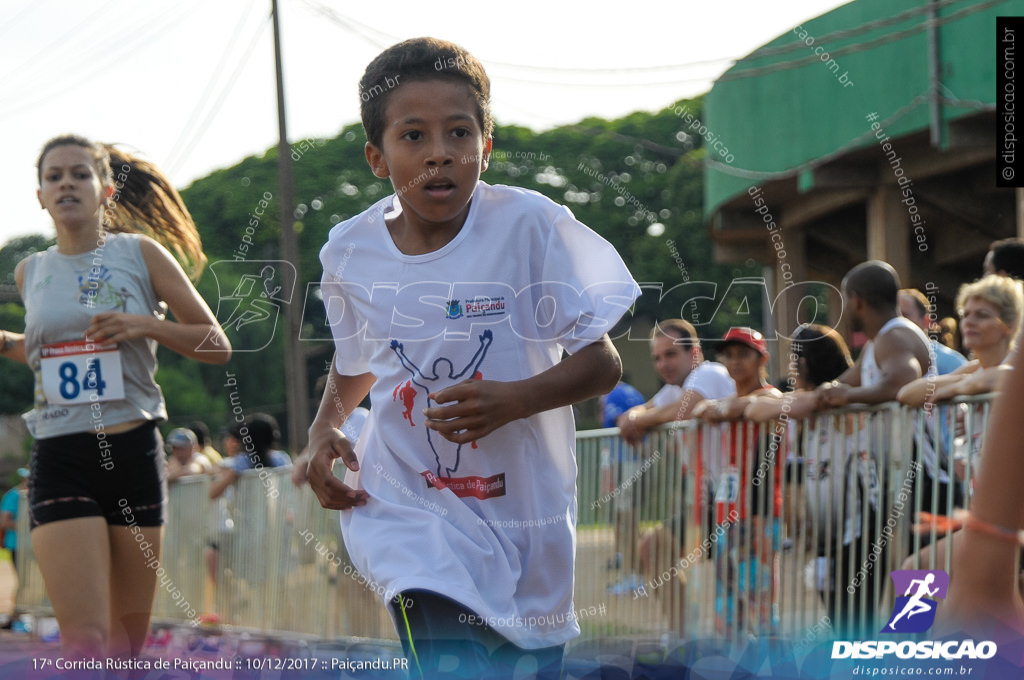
[(256, 439), (622, 463), (454, 309), (202, 433), (835, 469), (743, 479), (185, 458)]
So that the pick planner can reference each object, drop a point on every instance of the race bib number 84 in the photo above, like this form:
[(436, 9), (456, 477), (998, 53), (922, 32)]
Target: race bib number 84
[(81, 372)]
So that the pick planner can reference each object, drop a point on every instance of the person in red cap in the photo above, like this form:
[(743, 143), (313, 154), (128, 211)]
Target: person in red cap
[(746, 559)]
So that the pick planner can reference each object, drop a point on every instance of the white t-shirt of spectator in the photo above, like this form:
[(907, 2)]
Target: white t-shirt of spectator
[(710, 380), (668, 394), (490, 524)]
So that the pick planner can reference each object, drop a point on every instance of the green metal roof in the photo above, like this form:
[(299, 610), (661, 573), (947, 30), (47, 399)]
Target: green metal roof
[(785, 107)]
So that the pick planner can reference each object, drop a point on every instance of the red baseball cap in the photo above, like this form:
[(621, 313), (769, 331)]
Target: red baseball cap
[(745, 336)]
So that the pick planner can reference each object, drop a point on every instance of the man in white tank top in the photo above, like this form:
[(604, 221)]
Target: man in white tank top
[(896, 354), (897, 351)]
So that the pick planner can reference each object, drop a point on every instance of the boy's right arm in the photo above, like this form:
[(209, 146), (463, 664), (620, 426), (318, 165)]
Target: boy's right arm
[(326, 442)]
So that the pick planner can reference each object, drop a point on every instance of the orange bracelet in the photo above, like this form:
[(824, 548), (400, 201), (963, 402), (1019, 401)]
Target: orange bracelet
[(994, 530), (963, 519)]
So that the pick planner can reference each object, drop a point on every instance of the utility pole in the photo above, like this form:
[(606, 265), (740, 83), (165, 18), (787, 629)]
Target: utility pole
[(935, 124), (295, 360)]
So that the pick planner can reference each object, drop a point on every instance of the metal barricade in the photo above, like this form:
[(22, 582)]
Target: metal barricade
[(31, 596), (181, 581), (804, 552), (674, 538), (282, 567)]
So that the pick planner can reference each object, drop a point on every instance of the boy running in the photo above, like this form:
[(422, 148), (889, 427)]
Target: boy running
[(471, 292)]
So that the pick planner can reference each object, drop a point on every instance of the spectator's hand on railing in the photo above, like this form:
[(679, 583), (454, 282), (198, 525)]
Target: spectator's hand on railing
[(720, 410), (762, 410), (328, 444), (981, 381), (300, 474), (799, 404), (701, 410), (832, 395), (630, 428)]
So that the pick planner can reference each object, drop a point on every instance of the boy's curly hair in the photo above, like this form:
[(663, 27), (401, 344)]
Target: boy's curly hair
[(417, 60)]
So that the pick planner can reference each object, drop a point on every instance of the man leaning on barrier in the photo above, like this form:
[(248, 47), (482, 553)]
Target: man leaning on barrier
[(897, 352), (689, 380)]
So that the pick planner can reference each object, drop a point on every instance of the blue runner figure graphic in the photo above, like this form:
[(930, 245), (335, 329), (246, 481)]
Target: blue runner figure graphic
[(914, 604), (443, 370)]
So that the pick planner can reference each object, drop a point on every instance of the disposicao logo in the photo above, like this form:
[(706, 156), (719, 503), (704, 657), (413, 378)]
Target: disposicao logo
[(914, 612)]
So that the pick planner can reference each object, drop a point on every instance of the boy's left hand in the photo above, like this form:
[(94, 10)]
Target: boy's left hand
[(480, 407)]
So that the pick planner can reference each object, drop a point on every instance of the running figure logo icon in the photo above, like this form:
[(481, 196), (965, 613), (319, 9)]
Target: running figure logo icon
[(912, 612), (249, 312)]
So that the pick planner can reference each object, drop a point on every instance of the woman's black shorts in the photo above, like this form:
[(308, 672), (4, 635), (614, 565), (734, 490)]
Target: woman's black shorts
[(120, 477)]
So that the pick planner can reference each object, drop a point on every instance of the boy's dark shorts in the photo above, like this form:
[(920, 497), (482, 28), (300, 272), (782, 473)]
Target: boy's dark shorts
[(445, 633), (120, 477)]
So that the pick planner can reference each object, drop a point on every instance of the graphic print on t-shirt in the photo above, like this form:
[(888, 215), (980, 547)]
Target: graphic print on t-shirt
[(95, 289), (442, 373)]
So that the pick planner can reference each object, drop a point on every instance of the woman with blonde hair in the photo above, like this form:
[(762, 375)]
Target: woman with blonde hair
[(990, 311), (95, 306)]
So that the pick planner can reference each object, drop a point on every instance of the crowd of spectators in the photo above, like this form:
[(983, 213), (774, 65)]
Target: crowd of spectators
[(838, 459)]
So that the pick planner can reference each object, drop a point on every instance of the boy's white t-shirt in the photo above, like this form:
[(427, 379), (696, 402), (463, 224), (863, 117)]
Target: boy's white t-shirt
[(490, 524)]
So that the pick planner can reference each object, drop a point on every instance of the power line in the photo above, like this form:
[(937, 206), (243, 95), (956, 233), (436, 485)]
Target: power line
[(91, 68), (345, 22), (570, 83), (849, 32), (383, 40), (858, 47), (232, 79), (25, 10), (51, 51), (215, 74)]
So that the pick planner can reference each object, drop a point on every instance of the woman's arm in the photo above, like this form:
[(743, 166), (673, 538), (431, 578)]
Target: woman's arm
[(225, 477), (12, 345), (195, 333), (982, 381), (926, 390), (799, 404)]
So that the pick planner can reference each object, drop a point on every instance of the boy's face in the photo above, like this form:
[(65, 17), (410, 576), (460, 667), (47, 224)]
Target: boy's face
[(433, 150)]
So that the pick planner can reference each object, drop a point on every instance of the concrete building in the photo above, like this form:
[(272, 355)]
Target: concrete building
[(866, 133)]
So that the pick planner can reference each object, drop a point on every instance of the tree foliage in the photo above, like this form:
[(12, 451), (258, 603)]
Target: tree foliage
[(637, 181)]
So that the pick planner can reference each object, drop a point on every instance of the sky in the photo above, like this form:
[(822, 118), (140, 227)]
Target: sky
[(190, 85)]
